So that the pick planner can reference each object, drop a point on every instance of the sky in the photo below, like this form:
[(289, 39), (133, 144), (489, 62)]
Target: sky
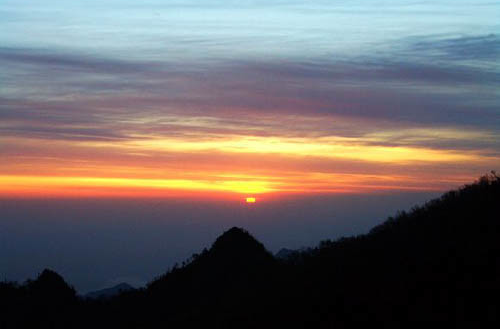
[(108, 108)]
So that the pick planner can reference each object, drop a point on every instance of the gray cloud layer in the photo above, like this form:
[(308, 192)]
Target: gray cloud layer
[(68, 96)]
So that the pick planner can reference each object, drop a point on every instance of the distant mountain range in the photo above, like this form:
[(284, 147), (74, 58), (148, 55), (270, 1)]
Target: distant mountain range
[(438, 263), (288, 254), (109, 292)]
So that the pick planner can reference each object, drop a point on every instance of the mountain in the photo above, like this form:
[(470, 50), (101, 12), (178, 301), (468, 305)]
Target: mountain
[(46, 302), (235, 260), (227, 279), (291, 254), (234, 256), (438, 262), (109, 292), (285, 253), (50, 284)]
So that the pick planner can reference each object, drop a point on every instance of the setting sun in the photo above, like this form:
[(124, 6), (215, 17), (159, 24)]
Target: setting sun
[(250, 200)]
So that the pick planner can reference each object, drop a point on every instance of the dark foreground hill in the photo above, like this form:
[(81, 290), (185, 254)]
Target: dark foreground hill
[(437, 263)]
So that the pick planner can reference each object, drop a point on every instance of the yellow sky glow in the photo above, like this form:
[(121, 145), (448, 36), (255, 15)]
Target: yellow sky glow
[(327, 147), (149, 165)]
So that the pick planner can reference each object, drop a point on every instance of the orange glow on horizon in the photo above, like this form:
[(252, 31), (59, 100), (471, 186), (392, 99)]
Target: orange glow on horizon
[(55, 184), (222, 187), (238, 165)]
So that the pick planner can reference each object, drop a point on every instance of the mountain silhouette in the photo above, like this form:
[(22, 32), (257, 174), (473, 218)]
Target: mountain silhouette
[(110, 292), (46, 302), (228, 278), (237, 251), (438, 263), (233, 255), (285, 253), (51, 285), (234, 265)]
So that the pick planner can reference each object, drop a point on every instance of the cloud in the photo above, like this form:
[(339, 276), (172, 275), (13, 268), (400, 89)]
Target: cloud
[(103, 114), (464, 48), (71, 61), (57, 133)]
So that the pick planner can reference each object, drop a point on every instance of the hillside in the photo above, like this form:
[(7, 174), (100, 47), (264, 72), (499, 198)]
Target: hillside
[(437, 262), (228, 278)]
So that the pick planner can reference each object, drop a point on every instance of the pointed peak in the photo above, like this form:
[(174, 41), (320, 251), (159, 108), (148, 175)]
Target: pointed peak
[(237, 242), (50, 282), (235, 236), (50, 276), (235, 231), (123, 285)]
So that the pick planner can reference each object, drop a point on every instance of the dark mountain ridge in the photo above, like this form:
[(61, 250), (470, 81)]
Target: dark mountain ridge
[(234, 256), (227, 278), (438, 262)]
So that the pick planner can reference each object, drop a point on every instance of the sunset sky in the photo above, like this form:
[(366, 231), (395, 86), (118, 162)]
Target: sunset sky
[(205, 99), (169, 97)]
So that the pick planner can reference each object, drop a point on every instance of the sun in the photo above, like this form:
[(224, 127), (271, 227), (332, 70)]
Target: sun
[(250, 199)]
